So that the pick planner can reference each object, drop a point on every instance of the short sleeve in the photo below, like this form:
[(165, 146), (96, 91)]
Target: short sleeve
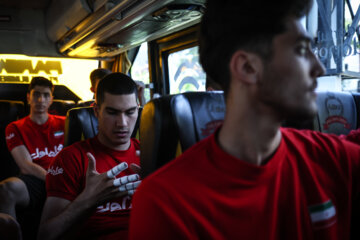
[(13, 137), (65, 177)]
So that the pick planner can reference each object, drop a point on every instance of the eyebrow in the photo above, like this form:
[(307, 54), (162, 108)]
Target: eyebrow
[(117, 110), (305, 38)]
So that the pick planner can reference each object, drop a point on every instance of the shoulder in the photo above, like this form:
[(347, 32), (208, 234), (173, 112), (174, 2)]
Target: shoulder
[(320, 145), (183, 164), (56, 118), (136, 143), (18, 123)]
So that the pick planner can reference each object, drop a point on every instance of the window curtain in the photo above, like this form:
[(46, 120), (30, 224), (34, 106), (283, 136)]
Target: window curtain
[(122, 63)]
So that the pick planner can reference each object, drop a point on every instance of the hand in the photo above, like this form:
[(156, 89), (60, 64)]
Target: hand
[(101, 188), (141, 89)]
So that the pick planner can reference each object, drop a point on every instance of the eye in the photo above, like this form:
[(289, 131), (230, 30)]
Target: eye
[(130, 112), (111, 112)]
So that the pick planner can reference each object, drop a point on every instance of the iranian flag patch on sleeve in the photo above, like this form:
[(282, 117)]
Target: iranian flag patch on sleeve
[(322, 215)]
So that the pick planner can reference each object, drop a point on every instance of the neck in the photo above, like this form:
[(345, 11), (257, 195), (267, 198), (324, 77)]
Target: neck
[(118, 147), (39, 118), (250, 131)]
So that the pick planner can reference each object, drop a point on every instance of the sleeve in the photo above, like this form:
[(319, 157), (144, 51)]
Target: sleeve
[(153, 217), (65, 177), (353, 136), (13, 137)]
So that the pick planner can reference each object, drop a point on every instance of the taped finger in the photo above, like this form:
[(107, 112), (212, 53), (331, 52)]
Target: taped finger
[(116, 170), (129, 186), (126, 179)]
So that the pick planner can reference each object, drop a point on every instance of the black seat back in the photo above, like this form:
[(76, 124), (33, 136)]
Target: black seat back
[(9, 111), (171, 124), (81, 124), (60, 107)]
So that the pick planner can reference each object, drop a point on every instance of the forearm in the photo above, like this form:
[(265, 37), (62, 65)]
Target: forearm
[(63, 225), (33, 169)]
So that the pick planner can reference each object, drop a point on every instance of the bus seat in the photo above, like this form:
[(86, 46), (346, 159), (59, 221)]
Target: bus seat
[(85, 103), (9, 111), (60, 107), (81, 124), (337, 112), (171, 124)]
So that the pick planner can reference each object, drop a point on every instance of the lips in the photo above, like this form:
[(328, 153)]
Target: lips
[(121, 134)]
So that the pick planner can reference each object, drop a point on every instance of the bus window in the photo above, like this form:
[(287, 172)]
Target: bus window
[(185, 72), (140, 68), (73, 73)]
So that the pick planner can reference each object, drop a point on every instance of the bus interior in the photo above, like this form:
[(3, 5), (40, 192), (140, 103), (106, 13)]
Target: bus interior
[(156, 42)]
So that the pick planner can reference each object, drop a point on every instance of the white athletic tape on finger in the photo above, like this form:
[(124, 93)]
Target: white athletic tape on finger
[(126, 179), (129, 186), (116, 170)]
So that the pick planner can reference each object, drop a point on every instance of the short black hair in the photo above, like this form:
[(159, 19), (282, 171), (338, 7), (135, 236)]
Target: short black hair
[(116, 84), (98, 74), (40, 81), (230, 25)]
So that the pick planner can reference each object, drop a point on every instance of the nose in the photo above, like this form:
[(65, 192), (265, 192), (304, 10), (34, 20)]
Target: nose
[(121, 120), (41, 98), (318, 68)]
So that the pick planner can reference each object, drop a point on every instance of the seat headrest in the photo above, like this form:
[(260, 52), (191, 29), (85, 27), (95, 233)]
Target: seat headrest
[(60, 107), (81, 123), (197, 115), (184, 118), (337, 112)]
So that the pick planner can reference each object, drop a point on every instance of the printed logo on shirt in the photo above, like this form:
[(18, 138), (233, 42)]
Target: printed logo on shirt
[(115, 206), (322, 215), (10, 136), (58, 133), (41, 153), (55, 171)]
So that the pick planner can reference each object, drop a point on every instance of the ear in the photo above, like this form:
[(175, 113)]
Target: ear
[(92, 89), (28, 97), (245, 67), (96, 110)]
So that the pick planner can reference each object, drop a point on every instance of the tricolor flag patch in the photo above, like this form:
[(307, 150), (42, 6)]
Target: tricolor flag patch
[(322, 215), (58, 133)]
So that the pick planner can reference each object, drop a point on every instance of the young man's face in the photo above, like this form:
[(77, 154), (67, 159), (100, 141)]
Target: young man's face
[(117, 116), (289, 78), (40, 99)]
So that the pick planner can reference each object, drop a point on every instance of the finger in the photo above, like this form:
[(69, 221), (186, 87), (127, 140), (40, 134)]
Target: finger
[(116, 170), (129, 186), (135, 168), (91, 163), (126, 179)]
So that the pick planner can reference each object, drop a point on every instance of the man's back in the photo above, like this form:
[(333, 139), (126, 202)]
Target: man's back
[(302, 192)]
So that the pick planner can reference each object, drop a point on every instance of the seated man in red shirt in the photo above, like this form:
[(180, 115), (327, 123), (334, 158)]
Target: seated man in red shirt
[(84, 200), (33, 141), (253, 179)]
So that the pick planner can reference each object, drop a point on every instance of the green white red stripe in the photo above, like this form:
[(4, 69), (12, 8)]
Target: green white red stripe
[(323, 214)]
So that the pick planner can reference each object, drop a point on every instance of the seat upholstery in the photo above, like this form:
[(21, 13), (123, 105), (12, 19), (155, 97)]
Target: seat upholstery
[(9, 111), (60, 107), (337, 112), (174, 120), (81, 124)]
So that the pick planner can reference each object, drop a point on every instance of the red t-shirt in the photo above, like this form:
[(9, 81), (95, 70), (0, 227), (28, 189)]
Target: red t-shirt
[(66, 179), (305, 191), (353, 136), (43, 142)]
